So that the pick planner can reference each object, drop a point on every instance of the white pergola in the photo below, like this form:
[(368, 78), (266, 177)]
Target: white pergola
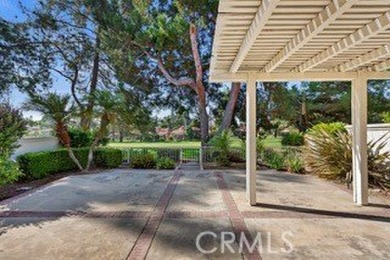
[(304, 40)]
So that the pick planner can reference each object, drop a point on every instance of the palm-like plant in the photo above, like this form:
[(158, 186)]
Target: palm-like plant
[(108, 106), (58, 108)]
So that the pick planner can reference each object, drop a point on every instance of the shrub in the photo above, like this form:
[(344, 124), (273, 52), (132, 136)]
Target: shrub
[(80, 138), (9, 171), (222, 144), (330, 128), (330, 156), (165, 163), (274, 159), (41, 164), (294, 162), (108, 158), (293, 139), (143, 161), (12, 128)]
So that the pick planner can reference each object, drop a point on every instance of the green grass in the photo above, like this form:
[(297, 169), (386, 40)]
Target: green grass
[(178, 144), (270, 142)]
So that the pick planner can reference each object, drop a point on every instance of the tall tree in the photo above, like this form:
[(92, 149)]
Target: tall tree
[(171, 37), (23, 60), (69, 30)]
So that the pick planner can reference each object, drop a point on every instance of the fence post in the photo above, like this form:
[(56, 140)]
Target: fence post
[(128, 156), (181, 155), (201, 158)]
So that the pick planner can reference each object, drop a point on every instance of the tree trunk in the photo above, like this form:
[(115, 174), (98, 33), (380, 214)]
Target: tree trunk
[(203, 116), (104, 122), (63, 136), (230, 107), (87, 113)]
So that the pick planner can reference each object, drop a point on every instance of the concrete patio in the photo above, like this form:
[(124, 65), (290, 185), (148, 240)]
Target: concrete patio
[(133, 214)]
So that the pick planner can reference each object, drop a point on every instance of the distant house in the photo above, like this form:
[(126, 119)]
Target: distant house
[(163, 132), (178, 134)]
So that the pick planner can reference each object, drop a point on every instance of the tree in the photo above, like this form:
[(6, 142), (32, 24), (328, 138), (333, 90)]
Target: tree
[(70, 33), (12, 128), (58, 108), (171, 37), (23, 61), (230, 107)]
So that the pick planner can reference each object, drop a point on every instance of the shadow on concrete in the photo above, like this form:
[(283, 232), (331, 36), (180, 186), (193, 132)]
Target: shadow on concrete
[(326, 213)]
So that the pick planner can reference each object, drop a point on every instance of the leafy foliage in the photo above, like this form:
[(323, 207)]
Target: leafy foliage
[(330, 128), (41, 164), (80, 138), (294, 161), (12, 128), (143, 161), (293, 139), (9, 171), (223, 144), (108, 158), (165, 163), (274, 159), (330, 156)]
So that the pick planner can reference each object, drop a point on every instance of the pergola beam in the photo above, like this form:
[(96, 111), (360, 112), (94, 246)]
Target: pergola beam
[(383, 66), (375, 27), (333, 11), (298, 76), (361, 61), (259, 21)]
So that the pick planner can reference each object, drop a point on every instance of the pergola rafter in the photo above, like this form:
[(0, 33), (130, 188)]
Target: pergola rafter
[(370, 30), (383, 52), (258, 23), (316, 26)]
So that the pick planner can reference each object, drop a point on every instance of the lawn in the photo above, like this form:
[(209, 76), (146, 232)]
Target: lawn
[(270, 142)]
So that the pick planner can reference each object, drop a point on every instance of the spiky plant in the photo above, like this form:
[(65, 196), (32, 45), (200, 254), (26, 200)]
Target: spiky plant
[(329, 155), (58, 108)]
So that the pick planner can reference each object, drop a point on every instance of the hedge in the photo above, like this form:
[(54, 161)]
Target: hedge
[(41, 164)]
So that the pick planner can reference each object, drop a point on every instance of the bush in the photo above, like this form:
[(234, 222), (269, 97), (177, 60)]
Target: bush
[(41, 164), (143, 161), (330, 128), (9, 171), (293, 139), (80, 138), (165, 163), (108, 158), (330, 156), (222, 144), (294, 162), (274, 159), (12, 128)]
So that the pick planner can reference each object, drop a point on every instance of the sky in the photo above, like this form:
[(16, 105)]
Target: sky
[(10, 10)]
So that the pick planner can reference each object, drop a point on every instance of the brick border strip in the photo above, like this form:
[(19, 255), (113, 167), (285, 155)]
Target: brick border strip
[(58, 214), (236, 219), (145, 239)]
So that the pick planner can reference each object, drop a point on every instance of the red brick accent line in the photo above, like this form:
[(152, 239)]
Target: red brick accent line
[(236, 219), (196, 214), (144, 241), (58, 214)]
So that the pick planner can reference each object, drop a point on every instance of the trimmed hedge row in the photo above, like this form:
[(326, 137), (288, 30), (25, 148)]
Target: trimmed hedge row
[(41, 164)]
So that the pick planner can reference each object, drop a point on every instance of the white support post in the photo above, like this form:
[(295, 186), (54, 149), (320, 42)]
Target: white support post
[(251, 157), (359, 143)]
